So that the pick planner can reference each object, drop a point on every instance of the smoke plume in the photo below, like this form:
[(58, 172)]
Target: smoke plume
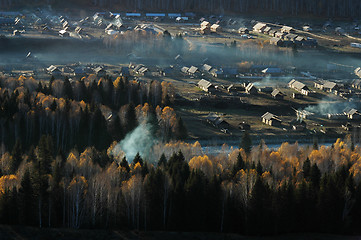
[(140, 140)]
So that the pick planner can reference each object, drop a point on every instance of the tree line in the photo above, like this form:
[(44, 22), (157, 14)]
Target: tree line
[(324, 8), (251, 191), (85, 112)]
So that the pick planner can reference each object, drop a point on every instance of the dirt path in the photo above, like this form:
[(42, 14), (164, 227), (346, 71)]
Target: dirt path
[(354, 38)]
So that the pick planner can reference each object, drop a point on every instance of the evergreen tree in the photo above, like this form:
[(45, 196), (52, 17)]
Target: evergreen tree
[(138, 159), (16, 156), (306, 169), (246, 142), (26, 200), (124, 164)]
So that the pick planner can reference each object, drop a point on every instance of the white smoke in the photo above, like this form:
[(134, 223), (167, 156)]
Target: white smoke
[(140, 140), (324, 108)]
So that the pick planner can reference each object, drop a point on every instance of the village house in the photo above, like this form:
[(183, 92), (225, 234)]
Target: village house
[(235, 88), (271, 119), (297, 96), (291, 37), (193, 70), (205, 30), (100, 72), (265, 89), (337, 116), (280, 35), (185, 70), (216, 28), (267, 30), (298, 86), (143, 71), (272, 33), (326, 86), (356, 84), (352, 114), (276, 41), (205, 24), (259, 27), (272, 71), (206, 85), (277, 94), (217, 73), (229, 72), (243, 30), (347, 127), (358, 72), (304, 114), (206, 68), (299, 41), (54, 71), (251, 89), (216, 121), (287, 29)]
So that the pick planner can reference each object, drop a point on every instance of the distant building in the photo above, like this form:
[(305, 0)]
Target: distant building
[(276, 41), (272, 71), (206, 85), (64, 33), (352, 114), (185, 70), (206, 68), (272, 33), (243, 30), (303, 114), (193, 70), (267, 30), (358, 72), (265, 89), (298, 86), (216, 121), (205, 30), (356, 84), (291, 37), (287, 29), (271, 119), (259, 27), (251, 89), (277, 94), (326, 86), (100, 72), (54, 71), (297, 96), (205, 24), (337, 116), (216, 28), (133, 14), (280, 35)]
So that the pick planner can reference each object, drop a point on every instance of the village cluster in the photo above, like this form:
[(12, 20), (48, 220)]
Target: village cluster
[(284, 105)]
